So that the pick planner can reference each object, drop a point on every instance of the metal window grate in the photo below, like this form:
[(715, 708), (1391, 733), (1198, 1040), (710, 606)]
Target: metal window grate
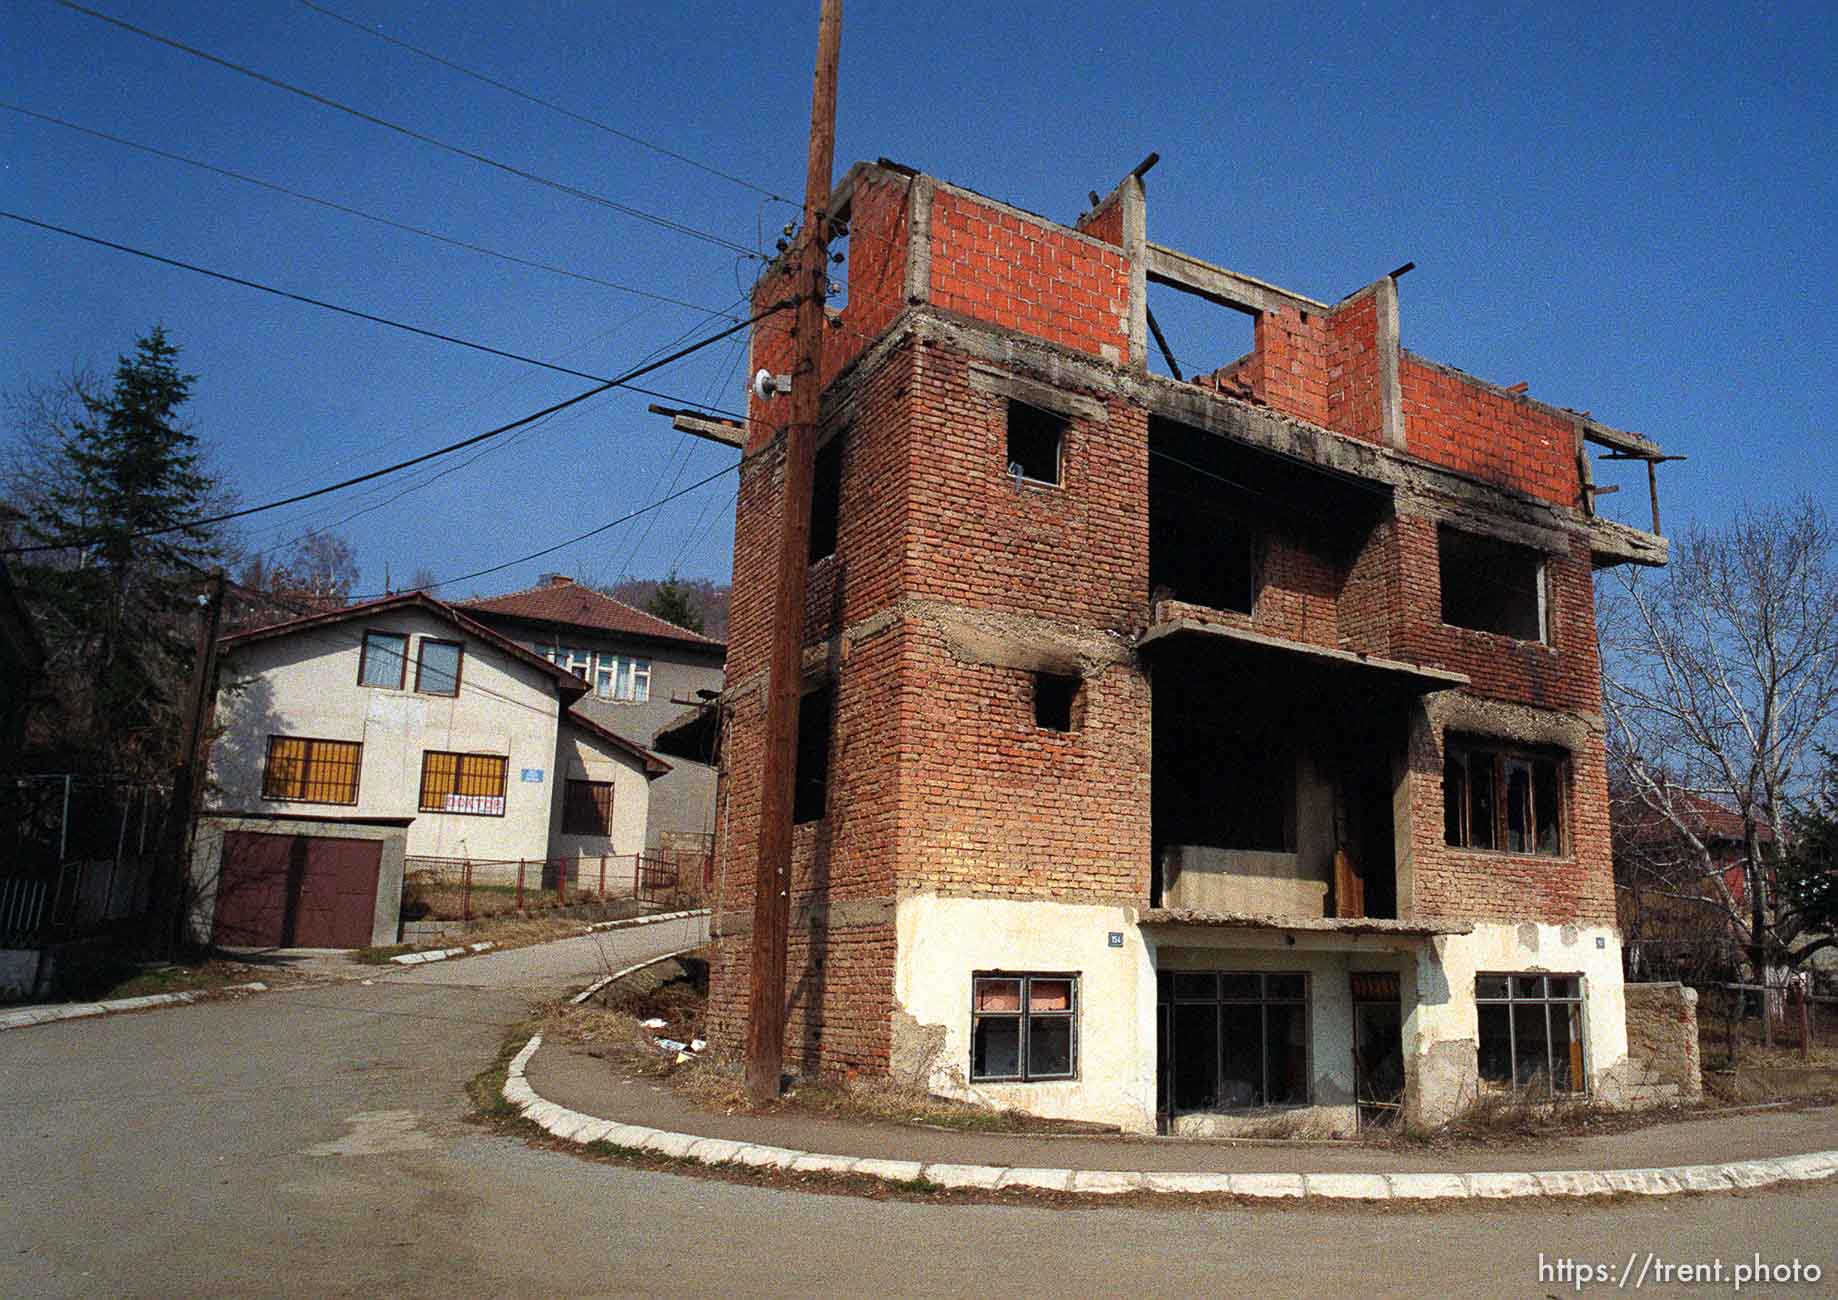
[(310, 770), (472, 784), (587, 808)]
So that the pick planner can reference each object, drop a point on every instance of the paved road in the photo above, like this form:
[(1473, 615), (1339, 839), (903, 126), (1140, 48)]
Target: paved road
[(309, 1143)]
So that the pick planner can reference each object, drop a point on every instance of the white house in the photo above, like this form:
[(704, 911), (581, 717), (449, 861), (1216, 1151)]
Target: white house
[(407, 714)]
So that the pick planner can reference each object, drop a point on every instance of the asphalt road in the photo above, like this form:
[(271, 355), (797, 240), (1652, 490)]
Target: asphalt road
[(311, 1143)]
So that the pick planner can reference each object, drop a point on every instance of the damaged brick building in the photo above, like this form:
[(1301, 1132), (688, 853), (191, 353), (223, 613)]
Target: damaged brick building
[(1173, 752)]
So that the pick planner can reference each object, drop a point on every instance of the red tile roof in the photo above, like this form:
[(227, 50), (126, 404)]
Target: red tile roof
[(581, 606), (1707, 817)]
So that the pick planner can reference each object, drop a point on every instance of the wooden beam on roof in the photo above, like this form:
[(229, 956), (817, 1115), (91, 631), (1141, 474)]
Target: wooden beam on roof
[(729, 433), (1216, 284)]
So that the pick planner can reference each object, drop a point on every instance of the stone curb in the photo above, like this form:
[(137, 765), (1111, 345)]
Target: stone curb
[(631, 921), (604, 980), (441, 954), (28, 1016), (571, 1125)]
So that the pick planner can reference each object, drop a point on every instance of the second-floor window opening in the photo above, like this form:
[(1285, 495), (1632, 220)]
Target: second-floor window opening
[(623, 678), (826, 499), (1036, 443), (383, 661), (1492, 585)]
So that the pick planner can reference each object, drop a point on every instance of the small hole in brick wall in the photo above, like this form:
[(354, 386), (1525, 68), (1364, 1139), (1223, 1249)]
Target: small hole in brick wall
[(1036, 442), (1054, 697)]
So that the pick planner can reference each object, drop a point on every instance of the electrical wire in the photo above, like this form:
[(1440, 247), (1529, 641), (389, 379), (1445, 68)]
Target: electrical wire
[(463, 443), (543, 103), (317, 302), (357, 212), (576, 191)]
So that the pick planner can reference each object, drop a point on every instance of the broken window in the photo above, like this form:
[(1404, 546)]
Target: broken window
[(826, 499), (1491, 586), (1502, 799), (810, 792), (1531, 1033), (1236, 1038), (1023, 1027), (1036, 440), (1054, 698)]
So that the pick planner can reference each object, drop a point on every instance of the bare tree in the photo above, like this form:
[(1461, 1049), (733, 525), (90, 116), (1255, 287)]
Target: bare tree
[(423, 580), (1720, 680)]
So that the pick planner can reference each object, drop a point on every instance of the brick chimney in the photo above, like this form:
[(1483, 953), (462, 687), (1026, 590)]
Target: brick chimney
[(554, 580)]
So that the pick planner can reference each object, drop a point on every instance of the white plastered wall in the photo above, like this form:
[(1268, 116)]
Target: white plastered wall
[(1442, 1029), (943, 942), (583, 756), (305, 684)]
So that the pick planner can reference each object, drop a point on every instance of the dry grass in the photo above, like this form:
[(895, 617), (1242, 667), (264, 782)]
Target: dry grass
[(1498, 1119)]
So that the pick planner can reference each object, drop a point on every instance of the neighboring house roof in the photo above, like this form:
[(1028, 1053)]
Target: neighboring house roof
[(566, 602), (1710, 820), (653, 765), (567, 685)]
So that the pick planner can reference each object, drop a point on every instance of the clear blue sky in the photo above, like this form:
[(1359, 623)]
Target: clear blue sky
[(1631, 207)]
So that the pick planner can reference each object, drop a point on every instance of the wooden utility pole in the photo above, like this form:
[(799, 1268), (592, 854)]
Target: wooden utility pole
[(772, 878), (199, 710)]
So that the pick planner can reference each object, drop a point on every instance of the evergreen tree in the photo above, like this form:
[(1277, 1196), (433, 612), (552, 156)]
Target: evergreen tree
[(112, 601), (672, 603)]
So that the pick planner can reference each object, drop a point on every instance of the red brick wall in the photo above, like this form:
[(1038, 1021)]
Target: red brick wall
[(1293, 352), (1078, 552), (1564, 674), (1577, 888), (991, 805), (1368, 599), (1351, 355), (1105, 224), (1453, 420), (1030, 275)]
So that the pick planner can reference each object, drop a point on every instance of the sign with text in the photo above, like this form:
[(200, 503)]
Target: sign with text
[(488, 805)]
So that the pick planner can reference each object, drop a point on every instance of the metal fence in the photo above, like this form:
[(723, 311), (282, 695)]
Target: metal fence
[(76, 853), (462, 889)]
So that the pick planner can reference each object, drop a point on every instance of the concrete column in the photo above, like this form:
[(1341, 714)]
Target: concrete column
[(1391, 395)]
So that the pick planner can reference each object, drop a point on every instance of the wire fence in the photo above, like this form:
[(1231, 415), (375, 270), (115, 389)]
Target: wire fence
[(466, 889)]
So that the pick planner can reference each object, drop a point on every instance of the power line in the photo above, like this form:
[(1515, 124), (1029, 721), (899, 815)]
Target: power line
[(666, 223), (357, 212), (425, 456), (578, 537), (543, 103), (332, 306)]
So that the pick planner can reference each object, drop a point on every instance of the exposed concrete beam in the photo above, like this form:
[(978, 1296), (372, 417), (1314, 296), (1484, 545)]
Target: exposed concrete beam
[(729, 433), (1216, 284), (1611, 543), (1431, 679)]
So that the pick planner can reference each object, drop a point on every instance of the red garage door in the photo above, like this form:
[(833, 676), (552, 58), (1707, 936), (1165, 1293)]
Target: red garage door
[(296, 891)]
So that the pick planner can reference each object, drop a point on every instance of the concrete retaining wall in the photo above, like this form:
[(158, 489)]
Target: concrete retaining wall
[(1662, 1045)]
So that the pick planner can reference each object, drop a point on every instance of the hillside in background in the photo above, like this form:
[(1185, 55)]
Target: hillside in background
[(710, 598)]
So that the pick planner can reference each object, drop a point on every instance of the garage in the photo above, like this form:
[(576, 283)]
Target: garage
[(311, 883)]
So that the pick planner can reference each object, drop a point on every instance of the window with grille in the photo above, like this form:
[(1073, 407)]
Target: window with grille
[(437, 667), (1024, 1027), (311, 771), (384, 661), (587, 808), (1503, 799), (463, 783), (1531, 1033)]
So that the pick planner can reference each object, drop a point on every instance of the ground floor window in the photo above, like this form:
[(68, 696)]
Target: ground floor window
[(1531, 1033), (1023, 1027), (463, 783), (1234, 1039), (311, 770)]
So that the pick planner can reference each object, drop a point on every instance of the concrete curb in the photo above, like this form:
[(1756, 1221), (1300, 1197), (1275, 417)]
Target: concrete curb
[(27, 1016), (631, 921), (573, 1126), (441, 954), (604, 980)]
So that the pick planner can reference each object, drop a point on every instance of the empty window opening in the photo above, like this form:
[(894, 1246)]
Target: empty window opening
[(1036, 443), (826, 499), (1502, 799), (1492, 586), (811, 790), (1054, 700), (1531, 1033)]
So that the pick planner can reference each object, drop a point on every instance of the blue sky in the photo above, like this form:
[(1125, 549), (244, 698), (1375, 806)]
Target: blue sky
[(1629, 207)]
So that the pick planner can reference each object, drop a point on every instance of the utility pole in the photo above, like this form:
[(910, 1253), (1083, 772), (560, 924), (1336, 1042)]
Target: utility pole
[(772, 878), (199, 710)]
